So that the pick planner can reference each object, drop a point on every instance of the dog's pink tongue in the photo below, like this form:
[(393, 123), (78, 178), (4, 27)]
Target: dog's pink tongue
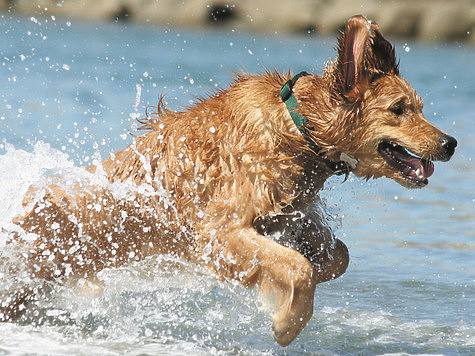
[(427, 168)]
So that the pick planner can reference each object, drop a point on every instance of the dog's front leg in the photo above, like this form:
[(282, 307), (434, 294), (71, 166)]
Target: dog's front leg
[(284, 277), (311, 238)]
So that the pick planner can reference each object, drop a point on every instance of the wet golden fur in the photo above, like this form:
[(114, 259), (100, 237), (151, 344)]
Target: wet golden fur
[(212, 183)]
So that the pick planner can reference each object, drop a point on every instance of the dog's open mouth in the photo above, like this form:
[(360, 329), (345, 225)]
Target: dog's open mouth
[(414, 169)]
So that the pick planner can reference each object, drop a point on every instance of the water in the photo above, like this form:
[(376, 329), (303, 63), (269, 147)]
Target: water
[(70, 94)]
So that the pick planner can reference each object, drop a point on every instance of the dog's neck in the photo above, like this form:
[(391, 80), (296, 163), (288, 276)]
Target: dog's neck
[(344, 162)]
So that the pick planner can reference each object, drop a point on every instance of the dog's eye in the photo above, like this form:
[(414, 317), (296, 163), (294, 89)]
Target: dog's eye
[(398, 109)]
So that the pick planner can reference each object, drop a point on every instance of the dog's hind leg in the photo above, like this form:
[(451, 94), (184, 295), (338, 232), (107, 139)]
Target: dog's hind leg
[(284, 277), (16, 287), (12, 304)]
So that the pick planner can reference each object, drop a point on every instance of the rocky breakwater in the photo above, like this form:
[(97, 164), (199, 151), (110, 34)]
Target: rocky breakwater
[(439, 20)]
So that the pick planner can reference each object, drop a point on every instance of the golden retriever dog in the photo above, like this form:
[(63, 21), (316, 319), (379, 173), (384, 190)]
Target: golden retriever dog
[(229, 182)]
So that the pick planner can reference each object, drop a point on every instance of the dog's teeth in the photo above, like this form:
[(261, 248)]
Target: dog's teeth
[(419, 174)]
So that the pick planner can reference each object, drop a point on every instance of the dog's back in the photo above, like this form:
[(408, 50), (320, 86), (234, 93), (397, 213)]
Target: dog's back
[(230, 157)]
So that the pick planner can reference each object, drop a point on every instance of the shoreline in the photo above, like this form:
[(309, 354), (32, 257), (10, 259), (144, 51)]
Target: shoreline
[(427, 20)]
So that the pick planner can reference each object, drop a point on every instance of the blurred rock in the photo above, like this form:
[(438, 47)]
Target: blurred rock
[(447, 22), (4, 4), (439, 20)]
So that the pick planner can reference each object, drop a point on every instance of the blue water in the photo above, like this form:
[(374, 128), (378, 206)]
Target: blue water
[(70, 93)]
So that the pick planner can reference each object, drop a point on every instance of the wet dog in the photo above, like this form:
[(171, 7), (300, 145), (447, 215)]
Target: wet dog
[(230, 182)]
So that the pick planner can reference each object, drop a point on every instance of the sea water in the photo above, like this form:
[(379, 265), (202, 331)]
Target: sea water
[(71, 93)]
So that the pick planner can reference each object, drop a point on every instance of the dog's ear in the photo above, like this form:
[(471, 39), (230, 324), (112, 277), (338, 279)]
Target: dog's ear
[(362, 53), (381, 56)]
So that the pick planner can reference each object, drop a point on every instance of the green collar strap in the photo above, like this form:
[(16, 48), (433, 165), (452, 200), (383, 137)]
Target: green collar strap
[(346, 162), (287, 96)]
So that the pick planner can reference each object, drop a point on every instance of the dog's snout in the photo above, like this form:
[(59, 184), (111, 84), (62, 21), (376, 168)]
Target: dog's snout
[(448, 144)]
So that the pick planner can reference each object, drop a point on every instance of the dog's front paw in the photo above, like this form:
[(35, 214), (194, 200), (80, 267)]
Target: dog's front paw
[(283, 334), (285, 330)]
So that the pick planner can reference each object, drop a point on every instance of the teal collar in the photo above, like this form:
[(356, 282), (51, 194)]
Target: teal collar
[(288, 97)]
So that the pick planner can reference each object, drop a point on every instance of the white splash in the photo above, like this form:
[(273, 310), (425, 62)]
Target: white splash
[(138, 96)]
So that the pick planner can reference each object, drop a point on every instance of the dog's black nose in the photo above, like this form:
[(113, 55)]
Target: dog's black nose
[(448, 143)]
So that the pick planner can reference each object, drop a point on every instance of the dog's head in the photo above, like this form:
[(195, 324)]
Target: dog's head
[(377, 116)]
